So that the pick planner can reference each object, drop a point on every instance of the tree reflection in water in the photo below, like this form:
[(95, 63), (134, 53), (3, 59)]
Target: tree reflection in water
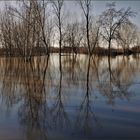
[(44, 93), (28, 80), (117, 80), (86, 118), (60, 119), (33, 111)]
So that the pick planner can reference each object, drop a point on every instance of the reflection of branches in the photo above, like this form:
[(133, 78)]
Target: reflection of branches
[(71, 67), (33, 112), (9, 87), (96, 66), (32, 115), (26, 82), (86, 113), (86, 116), (115, 87), (60, 118), (30, 84)]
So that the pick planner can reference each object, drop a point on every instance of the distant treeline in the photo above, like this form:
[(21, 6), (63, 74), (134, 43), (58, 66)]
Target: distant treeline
[(69, 50)]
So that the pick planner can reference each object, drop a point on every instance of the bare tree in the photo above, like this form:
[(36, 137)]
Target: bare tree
[(112, 20), (26, 20), (57, 6), (27, 29), (44, 23), (127, 36), (86, 6), (6, 31), (94, 34), (73, 36)]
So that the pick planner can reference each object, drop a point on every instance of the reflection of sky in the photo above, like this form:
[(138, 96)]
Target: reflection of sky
[(102, 119)]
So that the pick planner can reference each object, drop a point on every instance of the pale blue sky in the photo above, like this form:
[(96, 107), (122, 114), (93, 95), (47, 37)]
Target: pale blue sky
[(98, 7)]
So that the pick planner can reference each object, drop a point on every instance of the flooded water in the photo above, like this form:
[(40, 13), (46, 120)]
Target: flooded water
[(91, 98)]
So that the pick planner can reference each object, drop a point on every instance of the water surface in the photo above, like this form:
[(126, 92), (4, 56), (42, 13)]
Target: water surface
[(91, 98)]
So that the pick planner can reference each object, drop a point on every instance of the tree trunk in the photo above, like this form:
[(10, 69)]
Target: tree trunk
[(88, 41), (109, 47)]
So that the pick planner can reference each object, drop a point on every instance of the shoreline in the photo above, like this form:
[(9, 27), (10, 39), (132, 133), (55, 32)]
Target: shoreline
[(40, 51)]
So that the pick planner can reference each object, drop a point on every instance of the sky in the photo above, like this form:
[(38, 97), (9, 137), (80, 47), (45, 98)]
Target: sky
[(97, 7), (100, 6)]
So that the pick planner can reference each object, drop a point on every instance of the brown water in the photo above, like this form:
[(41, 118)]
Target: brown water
[(96, 98)]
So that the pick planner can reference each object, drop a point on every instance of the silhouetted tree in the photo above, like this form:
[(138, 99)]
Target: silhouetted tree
[(112, 19), (86, 8), (127, 36), (57, 6)]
